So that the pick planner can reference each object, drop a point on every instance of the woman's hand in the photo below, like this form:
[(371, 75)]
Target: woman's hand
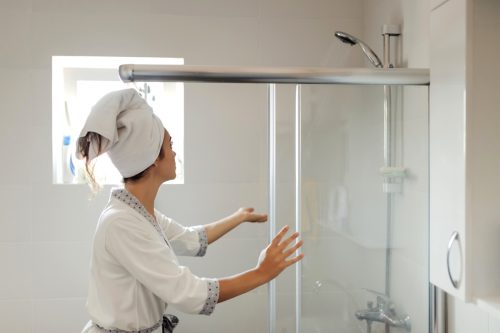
[(217, 229), (248, 215), (275, 257), (272, 261)]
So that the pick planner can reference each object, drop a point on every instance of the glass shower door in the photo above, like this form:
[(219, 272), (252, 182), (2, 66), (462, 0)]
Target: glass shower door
[(364, 222)]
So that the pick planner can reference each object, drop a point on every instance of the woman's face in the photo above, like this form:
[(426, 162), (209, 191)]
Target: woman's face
[(167, 164)]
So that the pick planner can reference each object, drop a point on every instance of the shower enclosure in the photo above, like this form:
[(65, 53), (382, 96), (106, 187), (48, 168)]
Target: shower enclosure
[(352, 178)]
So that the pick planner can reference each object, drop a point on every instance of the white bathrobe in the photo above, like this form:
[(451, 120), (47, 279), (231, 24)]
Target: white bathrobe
[(134, 270)]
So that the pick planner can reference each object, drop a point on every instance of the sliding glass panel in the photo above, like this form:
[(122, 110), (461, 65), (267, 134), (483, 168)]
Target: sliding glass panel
[(364, 222)]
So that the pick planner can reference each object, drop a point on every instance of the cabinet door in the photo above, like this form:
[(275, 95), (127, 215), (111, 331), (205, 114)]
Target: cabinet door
[(448, 240)]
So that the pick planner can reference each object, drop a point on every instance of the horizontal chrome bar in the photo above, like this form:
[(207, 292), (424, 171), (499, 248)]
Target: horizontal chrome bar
[(378, 76)]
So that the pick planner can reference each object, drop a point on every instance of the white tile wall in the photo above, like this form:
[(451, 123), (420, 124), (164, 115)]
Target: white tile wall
[(290, 32), (16, 217), (218, 8), (494, 325), (16, 142), (412, 16), (14, 5), (465, 317), (17, 271), (58, 315), (229, 138), (409, 291), (72, 221), (115, 6), (228, 198), (15, 52), (485, 83), (416, 26), (15, 315), (311, 9), (60, 269), (437, 3)]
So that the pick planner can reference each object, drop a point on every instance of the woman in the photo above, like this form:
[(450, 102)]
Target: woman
[(134, 269)]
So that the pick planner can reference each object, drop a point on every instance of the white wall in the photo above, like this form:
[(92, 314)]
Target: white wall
[(46, 230)]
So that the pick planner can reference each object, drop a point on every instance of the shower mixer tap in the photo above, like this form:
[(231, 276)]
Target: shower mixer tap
[(383, 312)]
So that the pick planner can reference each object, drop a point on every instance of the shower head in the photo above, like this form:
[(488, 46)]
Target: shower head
[(351, 40), (346, 38)]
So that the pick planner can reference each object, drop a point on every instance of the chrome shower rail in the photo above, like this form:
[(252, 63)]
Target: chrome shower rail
[(297, 75)]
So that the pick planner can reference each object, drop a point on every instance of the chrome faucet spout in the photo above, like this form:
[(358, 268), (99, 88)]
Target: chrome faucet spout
[(384, 313)]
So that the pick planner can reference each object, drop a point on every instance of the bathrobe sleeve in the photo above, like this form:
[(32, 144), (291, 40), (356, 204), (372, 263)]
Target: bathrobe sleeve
[(186, 241), (147, 258)]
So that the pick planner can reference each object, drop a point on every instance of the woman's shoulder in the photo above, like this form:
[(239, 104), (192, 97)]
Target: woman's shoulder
[(116, 215), (162, 219), (165, 221)]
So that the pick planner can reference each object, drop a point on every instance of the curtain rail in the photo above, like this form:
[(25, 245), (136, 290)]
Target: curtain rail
[(296, 75)]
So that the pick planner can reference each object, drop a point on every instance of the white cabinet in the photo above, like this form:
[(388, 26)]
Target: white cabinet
[(447, 144), (465, 150)]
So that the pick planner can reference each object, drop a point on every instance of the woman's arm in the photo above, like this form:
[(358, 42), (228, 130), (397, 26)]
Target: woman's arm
[(274, 261), (219, 228)]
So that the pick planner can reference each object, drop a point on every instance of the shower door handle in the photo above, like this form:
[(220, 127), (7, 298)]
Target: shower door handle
[(454, 237)]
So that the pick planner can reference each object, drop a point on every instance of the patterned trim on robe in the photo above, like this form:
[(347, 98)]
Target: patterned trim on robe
[(213, 297), (124, 196), (146, 330), (202, 234)]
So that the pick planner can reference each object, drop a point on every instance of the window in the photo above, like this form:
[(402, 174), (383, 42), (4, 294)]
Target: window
[(77, 84)]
